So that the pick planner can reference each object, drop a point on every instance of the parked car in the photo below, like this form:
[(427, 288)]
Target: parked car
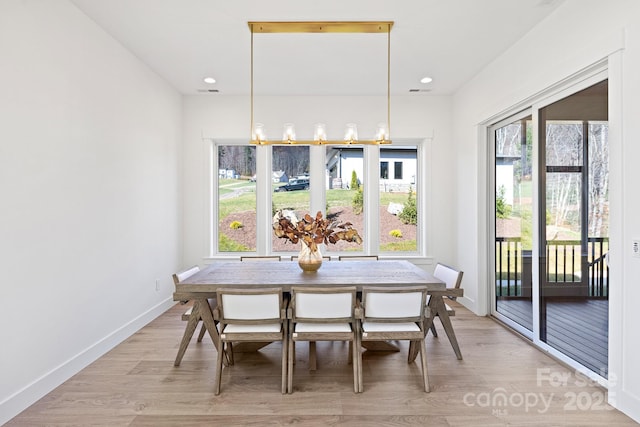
[(295, 184)]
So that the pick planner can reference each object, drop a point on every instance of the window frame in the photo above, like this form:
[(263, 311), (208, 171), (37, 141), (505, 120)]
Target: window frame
[(371, 155)]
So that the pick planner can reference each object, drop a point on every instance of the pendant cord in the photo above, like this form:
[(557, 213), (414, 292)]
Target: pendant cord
[(251, 130), (389, 81)]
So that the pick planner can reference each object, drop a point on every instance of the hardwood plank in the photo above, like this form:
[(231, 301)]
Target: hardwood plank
[(136, 384), (329, 421)]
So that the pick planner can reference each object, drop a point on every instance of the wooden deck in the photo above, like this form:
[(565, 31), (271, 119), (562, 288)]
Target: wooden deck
[(579, 329), (136, 384), (518, 310)]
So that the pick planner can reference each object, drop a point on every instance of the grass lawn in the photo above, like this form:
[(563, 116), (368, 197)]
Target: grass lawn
[(295, 200)]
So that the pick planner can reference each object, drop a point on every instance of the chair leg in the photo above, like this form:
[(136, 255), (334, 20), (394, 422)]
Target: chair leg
[(221, 353), (358, 353), (312, 356), (291, 355), (294, 352), (425, 371), (356, 370), (426, 326), (229, 352), (285, 361), (433, 330), (203, 330)]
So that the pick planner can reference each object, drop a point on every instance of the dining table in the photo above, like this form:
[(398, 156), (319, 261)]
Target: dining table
[(286, 274)]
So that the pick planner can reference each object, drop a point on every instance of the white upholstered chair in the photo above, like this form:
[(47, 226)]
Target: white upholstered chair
[(452, 278), (395, 314), (192, 321), (323, 314), (250, 315)]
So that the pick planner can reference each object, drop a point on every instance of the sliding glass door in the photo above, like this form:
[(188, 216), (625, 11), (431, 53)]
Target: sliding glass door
[(574, 215), (551, 225), (512, 143)]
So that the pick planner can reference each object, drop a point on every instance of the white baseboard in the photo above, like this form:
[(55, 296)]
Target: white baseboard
[(470, 304), (28, 395)]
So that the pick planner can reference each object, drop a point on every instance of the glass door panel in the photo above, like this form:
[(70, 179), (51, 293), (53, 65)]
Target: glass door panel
[(573, 219), (514, 222)]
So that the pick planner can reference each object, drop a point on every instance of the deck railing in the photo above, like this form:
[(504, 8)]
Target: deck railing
[(513, 266)]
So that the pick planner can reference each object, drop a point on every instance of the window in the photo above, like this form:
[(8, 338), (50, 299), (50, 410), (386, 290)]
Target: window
[(376, 188), (291, 183), (344, 193), (236, 202), (397, 170), (384, 170), (398, 202)]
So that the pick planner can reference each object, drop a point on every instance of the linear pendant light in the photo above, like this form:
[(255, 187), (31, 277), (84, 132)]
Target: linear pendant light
[(382, 134)]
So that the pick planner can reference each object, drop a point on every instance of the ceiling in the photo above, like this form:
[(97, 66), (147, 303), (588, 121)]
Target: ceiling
[(185, 41)]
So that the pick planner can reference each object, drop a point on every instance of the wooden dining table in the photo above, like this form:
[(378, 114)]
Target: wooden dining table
[(286, 274)]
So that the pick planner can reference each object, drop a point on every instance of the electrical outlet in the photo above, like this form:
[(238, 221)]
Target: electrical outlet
[(157, 285), (635, 248)]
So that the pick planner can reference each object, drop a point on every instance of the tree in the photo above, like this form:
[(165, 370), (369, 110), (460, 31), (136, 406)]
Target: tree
[(503, 210), (598, 179), (358, 201), (354, 181), (409, 214)]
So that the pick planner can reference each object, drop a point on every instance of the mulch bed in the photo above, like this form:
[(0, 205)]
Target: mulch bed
[(247, 234)]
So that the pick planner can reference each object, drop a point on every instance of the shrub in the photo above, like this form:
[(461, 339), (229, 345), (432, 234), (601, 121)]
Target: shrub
[(235, 225), (409, 214), (503, 210), (358, 201), (354, 181), (396, 233)]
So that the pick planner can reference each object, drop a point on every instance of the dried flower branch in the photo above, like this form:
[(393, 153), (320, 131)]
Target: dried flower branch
[(313, 231)]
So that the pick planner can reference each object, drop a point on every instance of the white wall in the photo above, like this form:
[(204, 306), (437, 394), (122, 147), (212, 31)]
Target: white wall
[(227, 117), (89, 185), (578, 34)]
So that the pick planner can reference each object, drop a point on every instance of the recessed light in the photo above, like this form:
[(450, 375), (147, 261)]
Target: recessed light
[(426, 80), (209, 80)]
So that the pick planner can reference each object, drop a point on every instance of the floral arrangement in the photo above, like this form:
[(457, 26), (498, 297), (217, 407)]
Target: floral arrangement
[(313, 231)]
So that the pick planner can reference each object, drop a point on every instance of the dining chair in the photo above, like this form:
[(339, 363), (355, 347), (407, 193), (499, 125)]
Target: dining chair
[(251, 315), (192, 320), (260, 258), (323, 314), (453, 279), (358, 258), (394, 314)]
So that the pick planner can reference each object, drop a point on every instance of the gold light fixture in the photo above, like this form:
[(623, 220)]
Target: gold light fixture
[(382, 133)]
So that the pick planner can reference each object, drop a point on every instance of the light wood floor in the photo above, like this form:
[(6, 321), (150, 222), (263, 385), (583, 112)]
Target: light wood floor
[(136, 384)]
